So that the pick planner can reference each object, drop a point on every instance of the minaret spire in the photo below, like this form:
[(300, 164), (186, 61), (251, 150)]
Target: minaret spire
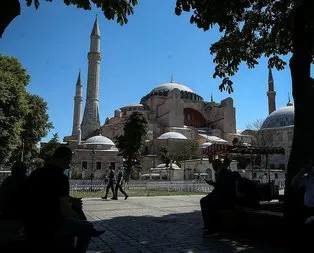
[(211, 97), (90, 121), (289, 101), (271, 92), (171, 78), (96, 30), (78, 98)]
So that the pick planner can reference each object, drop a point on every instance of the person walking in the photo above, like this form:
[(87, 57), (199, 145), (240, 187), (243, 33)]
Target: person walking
[(111, 182), (119, 184)]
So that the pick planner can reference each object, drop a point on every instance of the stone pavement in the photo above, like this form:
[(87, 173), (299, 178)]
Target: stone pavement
[(160, 224)]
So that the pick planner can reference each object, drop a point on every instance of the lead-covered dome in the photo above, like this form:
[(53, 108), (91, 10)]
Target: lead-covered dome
[(99, 140), (172, 135), (164, 89), (172, 85), (282, 117)]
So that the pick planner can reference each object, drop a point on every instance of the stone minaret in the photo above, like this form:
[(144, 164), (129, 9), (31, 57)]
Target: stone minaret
[(90, 121), (271, 93), (77, 106)]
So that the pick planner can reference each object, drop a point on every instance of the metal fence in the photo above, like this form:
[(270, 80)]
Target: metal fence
[(186, 186)]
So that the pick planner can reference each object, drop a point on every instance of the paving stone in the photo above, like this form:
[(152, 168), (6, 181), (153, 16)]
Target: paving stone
[(160, 224)]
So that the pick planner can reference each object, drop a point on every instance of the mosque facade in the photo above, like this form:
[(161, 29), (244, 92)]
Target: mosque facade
[(175, 113)]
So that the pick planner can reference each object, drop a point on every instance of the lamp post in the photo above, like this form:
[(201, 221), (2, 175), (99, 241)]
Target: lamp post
[(92, 170)]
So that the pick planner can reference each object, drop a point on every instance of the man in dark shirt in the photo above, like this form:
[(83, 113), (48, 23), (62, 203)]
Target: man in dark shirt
[(12, 192), (222, 196), (119, 184), (48, 213), (111, 182)]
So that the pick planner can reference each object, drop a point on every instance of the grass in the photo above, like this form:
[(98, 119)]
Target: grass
[(132, 193)]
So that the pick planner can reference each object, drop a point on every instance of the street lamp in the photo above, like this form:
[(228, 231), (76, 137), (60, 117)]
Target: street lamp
[(92, 170)]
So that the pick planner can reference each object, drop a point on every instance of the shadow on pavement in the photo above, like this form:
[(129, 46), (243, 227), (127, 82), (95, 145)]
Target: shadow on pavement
[(178, 232)]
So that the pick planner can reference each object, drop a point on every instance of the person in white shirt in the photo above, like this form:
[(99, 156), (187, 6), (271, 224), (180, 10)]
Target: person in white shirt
[(305, 179)]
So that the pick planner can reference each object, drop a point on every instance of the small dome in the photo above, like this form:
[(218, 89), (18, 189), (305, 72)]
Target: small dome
[(163, 166), (282, 117), (99, 140), (131, 105), (172, 135), (170, 86)]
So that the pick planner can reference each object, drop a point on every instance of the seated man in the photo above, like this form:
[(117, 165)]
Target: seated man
[(12, 192), (49, 215), (305, 179), (223, 195)]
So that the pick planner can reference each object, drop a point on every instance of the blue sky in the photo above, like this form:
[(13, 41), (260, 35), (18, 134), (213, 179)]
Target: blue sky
[(52, 44)]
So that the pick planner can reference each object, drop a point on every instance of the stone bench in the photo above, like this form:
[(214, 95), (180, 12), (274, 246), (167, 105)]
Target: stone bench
[(254, 222), (12, 239), (11, 235)]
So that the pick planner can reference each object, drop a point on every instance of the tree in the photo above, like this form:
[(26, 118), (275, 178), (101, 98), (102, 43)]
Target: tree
[(130, 143), (117, 9), (13, 105), (261, 136), (36, 125), (179, 152), (47, 149), (252, 29), (23, 116), (188, 150), (165, 155)]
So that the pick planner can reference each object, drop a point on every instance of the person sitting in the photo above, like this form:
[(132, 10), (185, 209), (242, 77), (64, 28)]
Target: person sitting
[(49, 216), (12, 192), (247, 194), (305, 179), (222, 196)]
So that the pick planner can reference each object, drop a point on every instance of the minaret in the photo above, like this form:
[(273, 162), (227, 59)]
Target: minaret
[(90, 120), (77, 106), (271, 93), (289, 101)]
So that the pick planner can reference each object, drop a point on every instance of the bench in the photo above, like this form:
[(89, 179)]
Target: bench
[(254, 222), (12, 239), (11, 235)]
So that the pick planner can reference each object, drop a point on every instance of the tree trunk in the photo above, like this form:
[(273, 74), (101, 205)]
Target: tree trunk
[(8, 11), (301, 151)]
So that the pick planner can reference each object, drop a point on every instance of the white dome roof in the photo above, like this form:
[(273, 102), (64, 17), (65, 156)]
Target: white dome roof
[(172, 135), (282, 117), (99, 140), (163, 166), (170, 86)]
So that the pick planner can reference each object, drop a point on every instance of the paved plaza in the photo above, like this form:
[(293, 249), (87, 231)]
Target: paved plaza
[(160, 224)]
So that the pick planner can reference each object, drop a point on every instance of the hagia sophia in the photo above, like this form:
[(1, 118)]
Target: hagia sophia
[(175, 114)]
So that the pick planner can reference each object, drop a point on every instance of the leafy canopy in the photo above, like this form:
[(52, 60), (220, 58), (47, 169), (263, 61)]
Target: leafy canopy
[(135, 133), (250, 29), (112, 9), (13, 105), (23, 116)]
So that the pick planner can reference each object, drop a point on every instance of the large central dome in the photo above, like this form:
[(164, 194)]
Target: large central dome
[(282, 117), (170, 86)]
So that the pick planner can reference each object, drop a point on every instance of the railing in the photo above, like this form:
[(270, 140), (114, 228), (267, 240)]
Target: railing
[(187, 186)]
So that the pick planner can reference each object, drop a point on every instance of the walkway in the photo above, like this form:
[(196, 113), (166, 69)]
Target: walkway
[(159, 224)]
